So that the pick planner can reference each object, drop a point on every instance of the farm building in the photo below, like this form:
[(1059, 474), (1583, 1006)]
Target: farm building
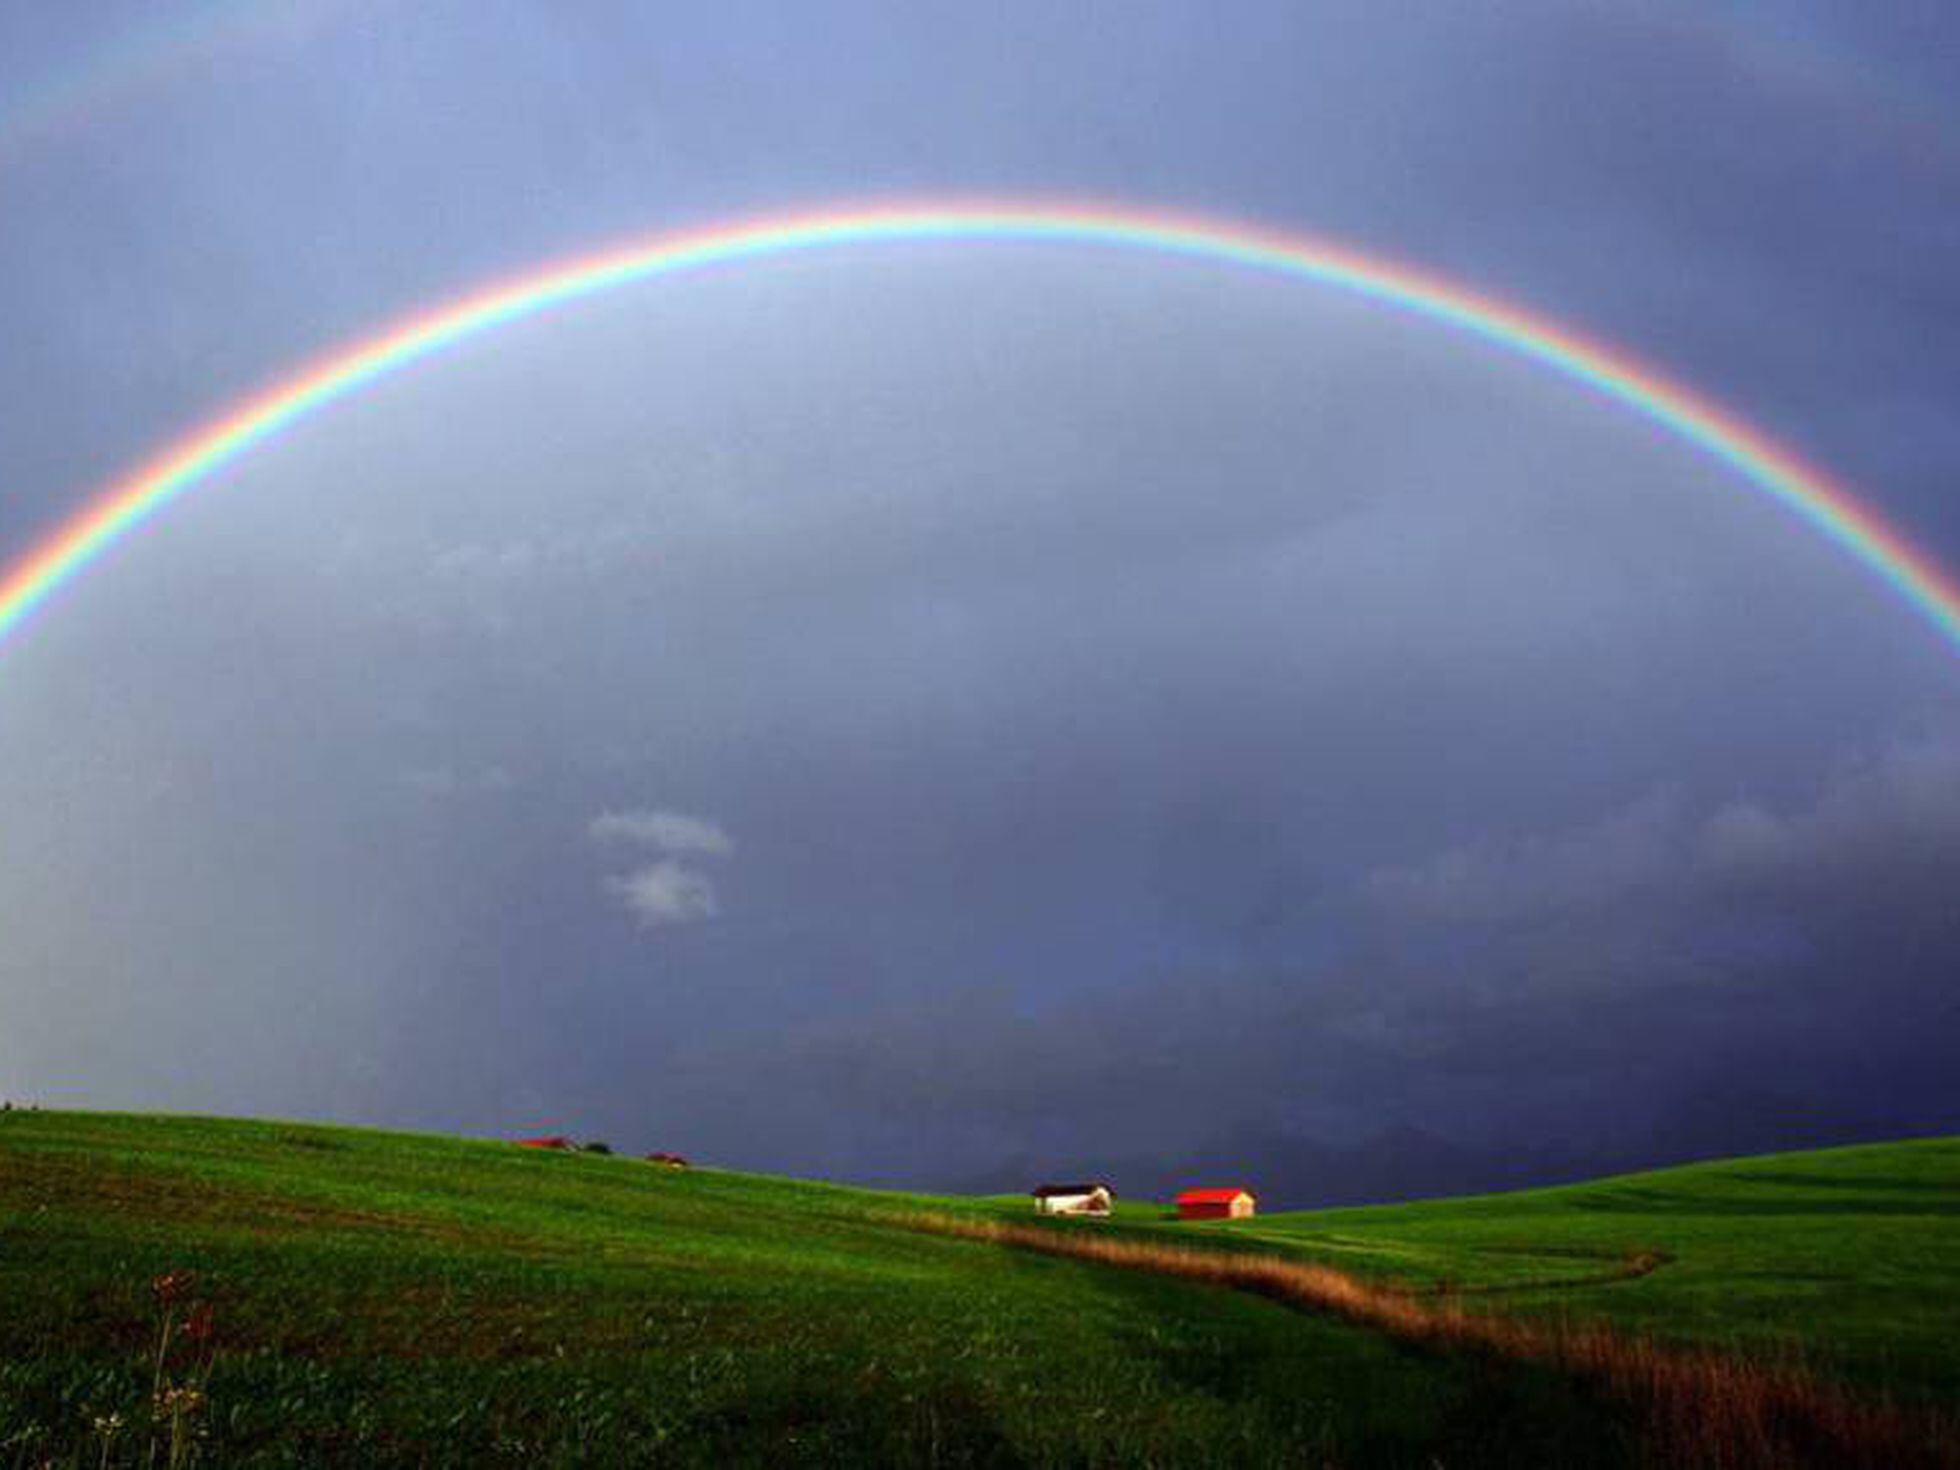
[(667, 1160), (1216, 1204), (549, 1140), (1073, 1199)]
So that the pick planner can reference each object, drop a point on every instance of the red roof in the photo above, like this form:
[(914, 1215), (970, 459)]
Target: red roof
[(1212, 1196), (550, 1140)]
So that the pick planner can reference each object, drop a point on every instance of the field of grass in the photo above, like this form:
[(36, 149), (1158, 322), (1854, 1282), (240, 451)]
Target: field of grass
[(1849, 1256), (386, 1298), (381, 1298)]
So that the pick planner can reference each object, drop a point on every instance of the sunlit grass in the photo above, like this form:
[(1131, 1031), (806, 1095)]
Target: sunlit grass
[(1697, 1407), (1849, 1257), (385, 1298), (398, 1299)]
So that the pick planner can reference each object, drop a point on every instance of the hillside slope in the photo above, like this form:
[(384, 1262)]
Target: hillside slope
[(389, 1298), (1849, 1255)]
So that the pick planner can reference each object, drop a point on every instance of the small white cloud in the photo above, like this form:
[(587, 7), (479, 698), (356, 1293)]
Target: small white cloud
[(666, 892), (670, 832), (672, 890)]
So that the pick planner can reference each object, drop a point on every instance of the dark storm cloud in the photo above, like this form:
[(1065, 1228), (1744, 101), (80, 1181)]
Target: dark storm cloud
[(1165, 715), (1591, 987)]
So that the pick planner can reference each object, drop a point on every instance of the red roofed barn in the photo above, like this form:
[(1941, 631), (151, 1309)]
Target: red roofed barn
[(1216, 1204)]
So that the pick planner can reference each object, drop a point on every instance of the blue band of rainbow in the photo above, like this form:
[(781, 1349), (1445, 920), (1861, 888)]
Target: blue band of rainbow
[(1809, 493)]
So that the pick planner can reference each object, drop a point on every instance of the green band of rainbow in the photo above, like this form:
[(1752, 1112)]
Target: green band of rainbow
[(1809, 493)]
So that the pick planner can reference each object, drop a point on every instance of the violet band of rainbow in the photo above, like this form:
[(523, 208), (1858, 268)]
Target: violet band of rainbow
[(1806, 491)]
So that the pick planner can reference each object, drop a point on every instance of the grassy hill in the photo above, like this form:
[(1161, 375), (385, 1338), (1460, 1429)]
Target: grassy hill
[(382, 1298), (1849, 1255)]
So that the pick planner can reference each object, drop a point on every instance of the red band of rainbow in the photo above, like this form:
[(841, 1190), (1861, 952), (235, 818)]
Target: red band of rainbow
[(1802, 489)]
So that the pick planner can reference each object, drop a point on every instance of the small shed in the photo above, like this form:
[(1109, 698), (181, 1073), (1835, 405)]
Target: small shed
[(1073, 1199), (667, 1160), (1216, 1204), (549, 1140)]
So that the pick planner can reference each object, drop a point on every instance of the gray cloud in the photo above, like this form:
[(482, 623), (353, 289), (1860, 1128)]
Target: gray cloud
[(1607, 861), (1899, 808), (1590, 984), (670, 891), (1159, 703), (665, 892), (1882, 828), (671, 832)]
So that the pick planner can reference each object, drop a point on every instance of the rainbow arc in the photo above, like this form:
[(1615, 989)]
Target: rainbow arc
[(1804, 490)]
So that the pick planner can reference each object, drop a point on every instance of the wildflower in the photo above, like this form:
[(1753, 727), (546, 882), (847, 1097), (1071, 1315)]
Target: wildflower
[(197, 1326), (172, 1286), (178, 1401), (108, 1426)]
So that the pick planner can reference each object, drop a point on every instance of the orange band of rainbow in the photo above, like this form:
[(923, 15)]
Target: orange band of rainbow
[(1807, 492)]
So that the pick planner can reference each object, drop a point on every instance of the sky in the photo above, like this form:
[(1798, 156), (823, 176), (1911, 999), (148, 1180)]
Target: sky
[(961, 713)]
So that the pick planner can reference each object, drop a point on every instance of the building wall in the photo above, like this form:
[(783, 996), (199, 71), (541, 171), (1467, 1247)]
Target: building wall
[(1238, 1209), (1074, 1204)]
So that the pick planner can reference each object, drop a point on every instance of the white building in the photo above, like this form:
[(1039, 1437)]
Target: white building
[(1073, 1199)]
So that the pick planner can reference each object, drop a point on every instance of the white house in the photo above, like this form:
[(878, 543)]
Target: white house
[(1073, 1199)]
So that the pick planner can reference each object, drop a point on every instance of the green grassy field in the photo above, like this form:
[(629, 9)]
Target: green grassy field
[(402, 1299), (1849, 1255)]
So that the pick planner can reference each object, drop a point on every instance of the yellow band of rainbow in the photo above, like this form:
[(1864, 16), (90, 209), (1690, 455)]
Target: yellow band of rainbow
[(1808, 492)]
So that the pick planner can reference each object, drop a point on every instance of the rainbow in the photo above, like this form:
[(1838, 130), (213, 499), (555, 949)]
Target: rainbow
[(1807, 492), (174, 43)]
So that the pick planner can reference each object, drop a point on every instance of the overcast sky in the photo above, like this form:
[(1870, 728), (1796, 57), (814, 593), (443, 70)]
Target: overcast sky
[(945, 712)]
